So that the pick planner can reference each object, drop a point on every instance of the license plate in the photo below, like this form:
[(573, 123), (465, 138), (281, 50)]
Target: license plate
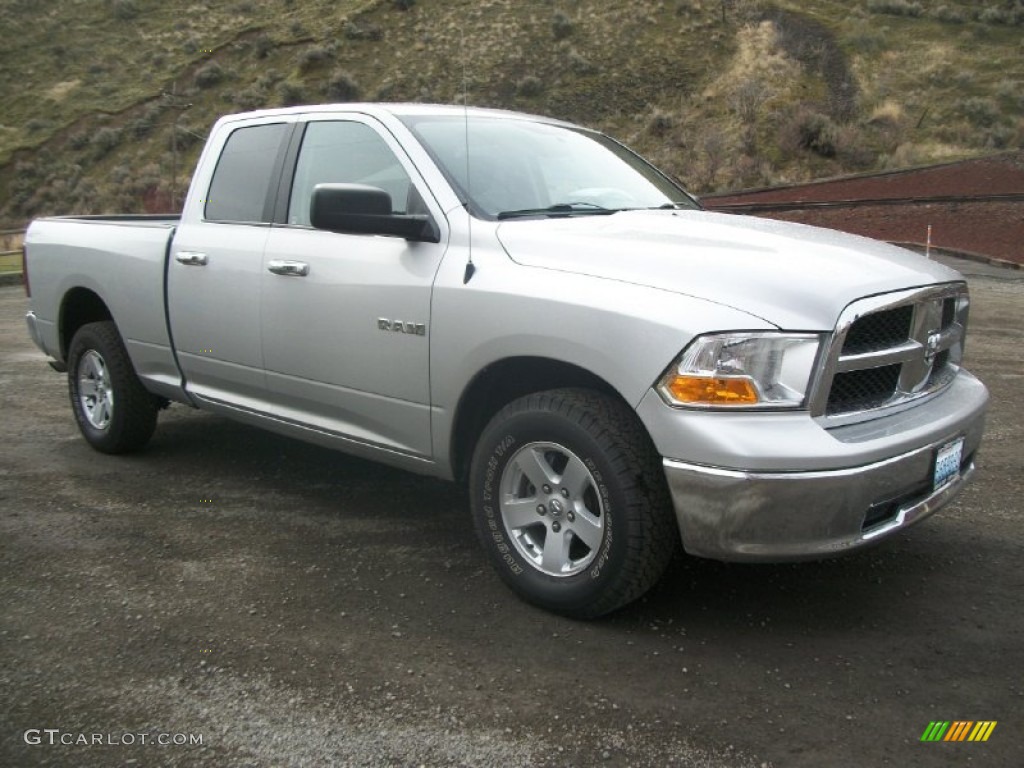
[(947, 462)]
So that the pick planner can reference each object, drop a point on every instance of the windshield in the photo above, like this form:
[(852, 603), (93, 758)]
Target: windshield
[(522, 168)]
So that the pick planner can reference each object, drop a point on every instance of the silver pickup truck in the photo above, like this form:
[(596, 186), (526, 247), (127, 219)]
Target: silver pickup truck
[(526, 306)]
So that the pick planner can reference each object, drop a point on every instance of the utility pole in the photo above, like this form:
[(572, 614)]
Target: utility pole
[(173, 103)]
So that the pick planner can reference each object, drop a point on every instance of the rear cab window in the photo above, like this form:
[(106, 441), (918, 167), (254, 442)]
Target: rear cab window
[(246, 171)]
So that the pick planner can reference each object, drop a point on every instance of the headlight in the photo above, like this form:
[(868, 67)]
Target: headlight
[(742, 370)]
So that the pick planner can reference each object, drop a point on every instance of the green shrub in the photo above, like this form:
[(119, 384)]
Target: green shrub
[(290, 94), (314, 57), (1011, 15), (124, 9), (866, 38), (580, 63), (1011, 94), (949, 15), (140, 127), (979, 111), (660, 123), (342, 87), (999, 136), (105, 140), (353, 30), (24, 169), (119, 174), (964, 80), (561, 26), (993, 16), (812, 131), (269, 78), (530, 86), (250, 98), (262, 46), (209, 75), (896, 7), (404, 5)]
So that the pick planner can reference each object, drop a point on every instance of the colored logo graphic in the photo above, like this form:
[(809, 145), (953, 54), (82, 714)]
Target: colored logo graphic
[(958, 730)]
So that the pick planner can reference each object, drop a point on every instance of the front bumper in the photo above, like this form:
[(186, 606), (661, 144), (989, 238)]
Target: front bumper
[(777, 515)]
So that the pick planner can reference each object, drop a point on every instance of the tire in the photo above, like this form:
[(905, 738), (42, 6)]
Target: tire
[(114, 411), (570, 502)]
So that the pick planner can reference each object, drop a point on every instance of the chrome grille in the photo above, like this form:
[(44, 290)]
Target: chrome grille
[(891, 350), (860, 390), (879, 330)]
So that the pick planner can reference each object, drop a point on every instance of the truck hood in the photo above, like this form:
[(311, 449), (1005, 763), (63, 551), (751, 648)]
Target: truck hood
[(794, 276)]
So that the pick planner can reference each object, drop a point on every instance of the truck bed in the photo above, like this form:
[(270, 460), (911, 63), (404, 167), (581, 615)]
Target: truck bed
[(122, 259)]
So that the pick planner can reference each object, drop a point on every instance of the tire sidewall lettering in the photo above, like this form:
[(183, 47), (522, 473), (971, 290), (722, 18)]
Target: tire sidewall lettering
[(492, 516), (601, 560)]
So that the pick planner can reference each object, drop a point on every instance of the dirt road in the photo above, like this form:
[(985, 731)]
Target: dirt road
[(294, 607)]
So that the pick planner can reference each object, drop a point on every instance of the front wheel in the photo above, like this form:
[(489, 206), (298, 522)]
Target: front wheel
[(114, 411), (570, 502)]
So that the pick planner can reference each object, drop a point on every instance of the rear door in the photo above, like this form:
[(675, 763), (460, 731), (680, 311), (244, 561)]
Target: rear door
[(346, 318), (216, 268)]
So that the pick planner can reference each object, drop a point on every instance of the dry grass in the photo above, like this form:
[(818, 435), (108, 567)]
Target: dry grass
[(10, 262)]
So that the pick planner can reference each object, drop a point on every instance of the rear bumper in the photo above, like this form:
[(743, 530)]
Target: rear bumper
[(33, 329), (734, 514), (37, 333)]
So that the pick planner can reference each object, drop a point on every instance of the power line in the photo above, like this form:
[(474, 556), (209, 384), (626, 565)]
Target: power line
[(173, 103)]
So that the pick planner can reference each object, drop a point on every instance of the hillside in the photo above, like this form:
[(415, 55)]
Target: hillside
[(106, 102)]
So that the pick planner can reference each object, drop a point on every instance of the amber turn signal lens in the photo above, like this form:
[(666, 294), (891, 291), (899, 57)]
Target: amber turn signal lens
[(708, 390)]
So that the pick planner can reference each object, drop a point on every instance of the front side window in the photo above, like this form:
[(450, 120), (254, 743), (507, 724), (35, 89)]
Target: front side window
[(242, 178), (342, 152)]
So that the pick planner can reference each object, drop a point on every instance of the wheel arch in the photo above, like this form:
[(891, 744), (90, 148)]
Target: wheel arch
[(500, 383), (79, 307)]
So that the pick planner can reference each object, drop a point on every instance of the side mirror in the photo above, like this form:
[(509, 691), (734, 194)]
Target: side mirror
[(364, 210)]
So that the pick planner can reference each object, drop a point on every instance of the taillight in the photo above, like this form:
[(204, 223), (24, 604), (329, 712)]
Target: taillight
[(24, 270)]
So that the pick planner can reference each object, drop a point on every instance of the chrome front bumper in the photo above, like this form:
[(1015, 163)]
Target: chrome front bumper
[(728, 514)]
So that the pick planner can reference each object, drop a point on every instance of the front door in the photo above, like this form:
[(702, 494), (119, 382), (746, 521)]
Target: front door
[(346, 318)]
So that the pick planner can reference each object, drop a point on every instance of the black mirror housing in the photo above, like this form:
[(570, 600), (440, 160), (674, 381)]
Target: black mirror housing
[(365, 210)]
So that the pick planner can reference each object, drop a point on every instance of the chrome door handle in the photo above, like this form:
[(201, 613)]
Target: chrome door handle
[(293, 268), (191, 258)]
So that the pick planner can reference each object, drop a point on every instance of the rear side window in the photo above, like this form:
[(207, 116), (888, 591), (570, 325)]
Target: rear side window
[(242, 178)]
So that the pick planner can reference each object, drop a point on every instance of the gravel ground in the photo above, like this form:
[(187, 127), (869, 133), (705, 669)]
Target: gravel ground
[(296, 607)]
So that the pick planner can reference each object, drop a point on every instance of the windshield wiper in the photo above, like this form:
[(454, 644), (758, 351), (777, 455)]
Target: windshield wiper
[(560, 209)]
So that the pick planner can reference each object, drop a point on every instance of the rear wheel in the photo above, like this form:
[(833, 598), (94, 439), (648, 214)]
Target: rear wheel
[(570, 502), (114, 411)]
